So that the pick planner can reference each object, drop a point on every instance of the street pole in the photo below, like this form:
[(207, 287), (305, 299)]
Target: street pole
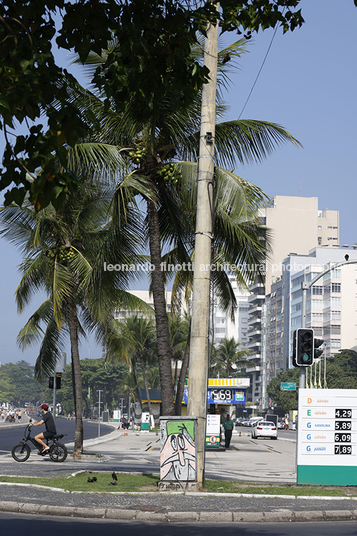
[(99, 391), (54, 396), (304, 287), (199, 346)]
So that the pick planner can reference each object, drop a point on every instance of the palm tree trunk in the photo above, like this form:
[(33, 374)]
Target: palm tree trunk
[(136, 388), (182, 377), (77, 380), (146, 385), (164, 349)]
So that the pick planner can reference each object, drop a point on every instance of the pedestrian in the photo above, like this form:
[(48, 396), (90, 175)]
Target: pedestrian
[(228, 430), (286, 423)]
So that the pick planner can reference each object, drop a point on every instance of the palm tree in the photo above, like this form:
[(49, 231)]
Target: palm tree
[(229, 358), (156, 151), (64, 251), (179, 330), (137, 335)]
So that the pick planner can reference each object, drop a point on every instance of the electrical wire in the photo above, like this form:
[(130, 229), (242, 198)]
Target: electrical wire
[(260, 70)]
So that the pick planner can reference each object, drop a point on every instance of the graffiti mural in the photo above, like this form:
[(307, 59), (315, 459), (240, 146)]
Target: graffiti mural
[(178, 451)]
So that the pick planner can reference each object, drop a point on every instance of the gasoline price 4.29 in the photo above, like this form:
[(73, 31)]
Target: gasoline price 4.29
[(343, 413)]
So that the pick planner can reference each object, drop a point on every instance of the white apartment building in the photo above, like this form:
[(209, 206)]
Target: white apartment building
[(331, 307), (223, 326), (296, 225), (146, 296)]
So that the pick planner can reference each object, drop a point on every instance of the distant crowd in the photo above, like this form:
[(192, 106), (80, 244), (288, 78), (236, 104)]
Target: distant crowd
[(11, 415)]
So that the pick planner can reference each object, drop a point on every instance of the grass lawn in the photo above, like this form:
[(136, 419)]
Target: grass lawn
[(145, 482)]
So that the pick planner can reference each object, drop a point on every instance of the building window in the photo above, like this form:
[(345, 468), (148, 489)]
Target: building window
[(335, 287), (317, 290), (317, 331), (295, 308), (316, 304), (335, 343), (335, 274), (335, 315)]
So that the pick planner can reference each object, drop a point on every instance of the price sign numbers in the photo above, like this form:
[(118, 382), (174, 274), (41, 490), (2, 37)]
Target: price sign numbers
[(343, 449), (343, 413), (222, 394), (343, 425), (343, 438)]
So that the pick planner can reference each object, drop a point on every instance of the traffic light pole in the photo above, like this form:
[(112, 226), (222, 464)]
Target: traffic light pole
[(304, 287)]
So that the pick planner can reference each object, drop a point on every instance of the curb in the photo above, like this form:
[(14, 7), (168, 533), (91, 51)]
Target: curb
[(179, 517), (186, 493)]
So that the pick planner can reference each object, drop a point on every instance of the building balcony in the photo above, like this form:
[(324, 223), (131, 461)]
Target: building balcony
[(255, 333)]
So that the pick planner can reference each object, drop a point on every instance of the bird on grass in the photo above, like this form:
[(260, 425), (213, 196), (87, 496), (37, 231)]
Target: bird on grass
[(114, 476), (94, 479)]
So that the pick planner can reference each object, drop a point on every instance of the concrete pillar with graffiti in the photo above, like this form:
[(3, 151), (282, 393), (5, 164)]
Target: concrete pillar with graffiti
[(178, 453)]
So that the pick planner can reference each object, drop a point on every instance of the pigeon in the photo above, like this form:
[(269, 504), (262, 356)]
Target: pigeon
[(94, 479), (90, 479), (114, 476)]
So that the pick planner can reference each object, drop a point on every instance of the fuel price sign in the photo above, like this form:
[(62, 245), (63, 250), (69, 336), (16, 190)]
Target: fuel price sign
[(327, 437)]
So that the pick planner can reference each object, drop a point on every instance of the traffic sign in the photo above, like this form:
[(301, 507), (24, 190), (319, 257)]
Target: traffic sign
[(287, 386)]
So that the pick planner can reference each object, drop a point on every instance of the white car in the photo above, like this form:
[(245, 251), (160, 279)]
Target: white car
[(264, 429)]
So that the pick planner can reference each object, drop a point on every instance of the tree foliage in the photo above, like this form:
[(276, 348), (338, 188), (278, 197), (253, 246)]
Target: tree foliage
[(151, 60), (18, 385), (341, 373)]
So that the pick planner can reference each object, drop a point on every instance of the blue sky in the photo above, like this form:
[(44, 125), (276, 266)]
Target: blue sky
[(308, 85)]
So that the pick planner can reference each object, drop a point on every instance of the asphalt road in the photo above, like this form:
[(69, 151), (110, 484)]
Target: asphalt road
[(19, 524), (12, 434)]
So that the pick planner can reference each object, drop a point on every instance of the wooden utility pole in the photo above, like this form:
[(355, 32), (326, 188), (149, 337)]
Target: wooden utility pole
[(199, 348)]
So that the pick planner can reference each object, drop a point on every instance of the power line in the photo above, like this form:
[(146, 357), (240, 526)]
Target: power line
[(260, 70)]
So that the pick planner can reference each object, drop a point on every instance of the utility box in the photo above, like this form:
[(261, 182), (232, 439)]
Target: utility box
[(178, 453), (105, 416)]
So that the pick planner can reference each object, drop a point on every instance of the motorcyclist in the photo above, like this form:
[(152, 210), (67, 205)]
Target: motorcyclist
[(48, 421)]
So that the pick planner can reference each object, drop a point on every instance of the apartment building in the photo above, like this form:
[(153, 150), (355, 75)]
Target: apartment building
[(331, 307), (296, 225), (222, 325)]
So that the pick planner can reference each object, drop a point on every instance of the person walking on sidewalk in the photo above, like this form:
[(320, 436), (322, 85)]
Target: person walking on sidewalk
[(48, 421), (228, 430)]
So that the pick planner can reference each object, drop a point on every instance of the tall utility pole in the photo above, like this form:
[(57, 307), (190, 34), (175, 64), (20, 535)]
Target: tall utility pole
[(199, 347), (99, 391)]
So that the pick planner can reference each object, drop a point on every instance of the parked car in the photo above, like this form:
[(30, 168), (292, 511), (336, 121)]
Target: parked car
[(239, 421), (281, 424), (264, 429), (254, 420)]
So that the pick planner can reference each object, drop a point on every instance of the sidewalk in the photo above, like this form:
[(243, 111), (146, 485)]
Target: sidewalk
[(141, 451)]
